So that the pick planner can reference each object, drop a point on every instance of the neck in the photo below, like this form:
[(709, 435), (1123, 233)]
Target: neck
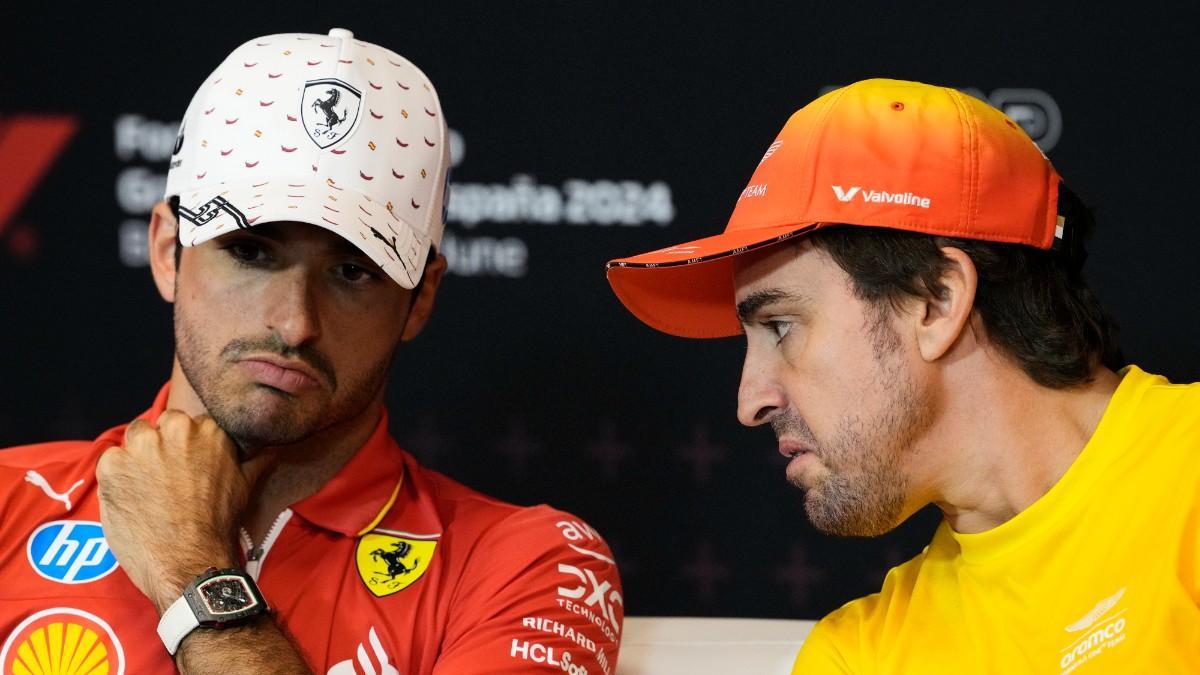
[(1007, 441), (300, 469)]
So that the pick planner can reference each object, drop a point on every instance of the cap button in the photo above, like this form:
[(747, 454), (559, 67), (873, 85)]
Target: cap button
[(341, 33)]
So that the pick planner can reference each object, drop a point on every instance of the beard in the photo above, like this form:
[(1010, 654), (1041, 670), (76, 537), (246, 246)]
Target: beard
[(288, 419), (863, 490)]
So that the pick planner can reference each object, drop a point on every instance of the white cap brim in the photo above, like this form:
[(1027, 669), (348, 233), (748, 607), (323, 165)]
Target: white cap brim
[(388, 240)]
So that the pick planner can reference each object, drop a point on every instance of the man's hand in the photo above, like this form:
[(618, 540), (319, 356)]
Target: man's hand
[(171, 500)]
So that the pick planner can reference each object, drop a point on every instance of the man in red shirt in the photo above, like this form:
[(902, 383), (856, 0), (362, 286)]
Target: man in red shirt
[(259, 518)]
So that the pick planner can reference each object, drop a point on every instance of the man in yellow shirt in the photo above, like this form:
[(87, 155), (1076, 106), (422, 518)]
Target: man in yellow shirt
[(906, 267)]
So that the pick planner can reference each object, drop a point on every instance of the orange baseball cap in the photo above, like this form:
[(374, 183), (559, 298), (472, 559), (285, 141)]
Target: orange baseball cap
[(877, 153)]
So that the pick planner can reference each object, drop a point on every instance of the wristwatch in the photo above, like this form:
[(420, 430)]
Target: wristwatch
[(215, 599)]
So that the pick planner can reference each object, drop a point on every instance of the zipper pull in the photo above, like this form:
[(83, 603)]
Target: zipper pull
[(252, 553)]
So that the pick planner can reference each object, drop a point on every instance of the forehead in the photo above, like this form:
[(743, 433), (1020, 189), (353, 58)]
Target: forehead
[(795, 266)]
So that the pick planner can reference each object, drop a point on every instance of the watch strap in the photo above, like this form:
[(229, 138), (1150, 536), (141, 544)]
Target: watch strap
[(176, 623)]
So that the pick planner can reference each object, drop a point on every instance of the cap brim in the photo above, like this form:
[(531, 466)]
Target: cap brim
[(398, 248), (687, 289)]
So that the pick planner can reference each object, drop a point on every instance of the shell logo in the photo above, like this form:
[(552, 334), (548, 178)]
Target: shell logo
[(62, 641)]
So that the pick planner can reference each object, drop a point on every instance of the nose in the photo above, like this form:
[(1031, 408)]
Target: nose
[(760, 396), (291, 311)]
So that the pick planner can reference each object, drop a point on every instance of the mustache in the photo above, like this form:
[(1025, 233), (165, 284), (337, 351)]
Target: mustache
[(790, 424), (274, 344)]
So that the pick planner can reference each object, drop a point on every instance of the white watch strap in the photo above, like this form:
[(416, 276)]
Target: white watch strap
[(176, 623)]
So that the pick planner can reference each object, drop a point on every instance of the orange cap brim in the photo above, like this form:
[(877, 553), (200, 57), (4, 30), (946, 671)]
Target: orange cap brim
[(687, 290)]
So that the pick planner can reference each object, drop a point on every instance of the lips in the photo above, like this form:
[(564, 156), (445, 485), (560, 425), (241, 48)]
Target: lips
[(790, 448), (801, 460), (799, 466), (292, 377)]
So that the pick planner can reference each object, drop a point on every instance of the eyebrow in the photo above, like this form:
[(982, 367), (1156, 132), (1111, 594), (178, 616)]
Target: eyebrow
[(752, 303)]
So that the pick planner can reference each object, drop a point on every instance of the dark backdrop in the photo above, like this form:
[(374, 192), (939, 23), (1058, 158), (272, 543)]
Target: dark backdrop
[(585, 131)]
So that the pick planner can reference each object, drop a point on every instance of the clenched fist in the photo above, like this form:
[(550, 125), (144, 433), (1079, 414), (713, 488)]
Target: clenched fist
[(171, 500)]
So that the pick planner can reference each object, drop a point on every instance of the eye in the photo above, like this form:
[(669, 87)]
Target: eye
[(246, 251), (354, 273), (779, 328)]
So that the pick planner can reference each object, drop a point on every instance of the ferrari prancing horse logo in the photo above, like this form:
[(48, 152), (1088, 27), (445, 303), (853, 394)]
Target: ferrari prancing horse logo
[(329, 110), (389, 562)]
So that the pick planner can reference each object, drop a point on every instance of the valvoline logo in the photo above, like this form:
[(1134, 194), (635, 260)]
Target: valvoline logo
[(71, 552)]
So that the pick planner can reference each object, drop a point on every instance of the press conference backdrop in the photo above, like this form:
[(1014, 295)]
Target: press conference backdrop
[(582, 131)]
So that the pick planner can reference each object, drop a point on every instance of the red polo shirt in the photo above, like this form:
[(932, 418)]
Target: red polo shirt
[(388, 568)]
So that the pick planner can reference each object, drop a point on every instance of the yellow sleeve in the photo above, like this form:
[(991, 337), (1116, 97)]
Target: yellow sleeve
[(820, 655)]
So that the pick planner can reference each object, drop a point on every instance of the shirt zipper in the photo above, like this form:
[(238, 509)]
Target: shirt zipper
[(255, 557)]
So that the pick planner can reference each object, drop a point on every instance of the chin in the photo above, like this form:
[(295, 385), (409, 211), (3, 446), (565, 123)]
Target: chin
[(254, 427), (847, 518)]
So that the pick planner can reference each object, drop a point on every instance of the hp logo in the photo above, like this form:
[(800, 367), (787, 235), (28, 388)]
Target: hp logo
[(71, 552)]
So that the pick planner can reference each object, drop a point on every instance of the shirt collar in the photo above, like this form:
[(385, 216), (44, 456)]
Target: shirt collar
[(363, 491), (358, 496)]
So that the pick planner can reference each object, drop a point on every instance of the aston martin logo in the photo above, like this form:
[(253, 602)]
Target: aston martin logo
[(389, 562), (1097, 612)]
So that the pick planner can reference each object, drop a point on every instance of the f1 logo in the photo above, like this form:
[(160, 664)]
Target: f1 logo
[(71, 552), (29, 146)]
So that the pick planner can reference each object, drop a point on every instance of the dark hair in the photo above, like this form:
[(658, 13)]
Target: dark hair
[(1034, 304), (173, 202)]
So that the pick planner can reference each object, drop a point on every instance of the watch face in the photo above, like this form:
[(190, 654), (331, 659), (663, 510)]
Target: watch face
[(226, 595)]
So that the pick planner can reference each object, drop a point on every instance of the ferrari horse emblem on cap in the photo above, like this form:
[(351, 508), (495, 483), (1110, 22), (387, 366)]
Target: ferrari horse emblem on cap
[(389, 563), (329, 110)]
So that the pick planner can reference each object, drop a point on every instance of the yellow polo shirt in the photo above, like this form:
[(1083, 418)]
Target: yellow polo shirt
[(1100, 575)]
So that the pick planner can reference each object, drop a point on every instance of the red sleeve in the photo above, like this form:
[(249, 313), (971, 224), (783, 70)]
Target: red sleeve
[(541, 594)]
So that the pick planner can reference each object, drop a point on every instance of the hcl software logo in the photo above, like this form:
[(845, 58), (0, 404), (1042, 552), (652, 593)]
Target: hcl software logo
[(71, 552)]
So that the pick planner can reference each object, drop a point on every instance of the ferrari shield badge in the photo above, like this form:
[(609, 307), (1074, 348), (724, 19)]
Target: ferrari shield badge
[(329, 110), (389, 562)]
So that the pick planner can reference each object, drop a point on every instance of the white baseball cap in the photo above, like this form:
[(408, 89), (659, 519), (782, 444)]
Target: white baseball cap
[(326, 130)]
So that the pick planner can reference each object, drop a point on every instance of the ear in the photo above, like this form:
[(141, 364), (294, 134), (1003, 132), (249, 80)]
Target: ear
[(942, 320), (422, 306), (163, 228)]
